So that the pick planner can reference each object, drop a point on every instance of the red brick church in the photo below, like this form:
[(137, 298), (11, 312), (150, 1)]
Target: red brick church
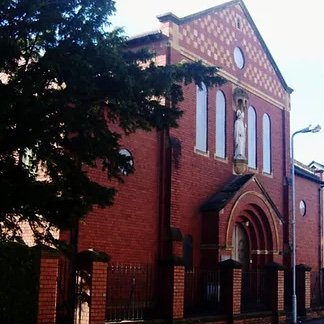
[(202, 226)]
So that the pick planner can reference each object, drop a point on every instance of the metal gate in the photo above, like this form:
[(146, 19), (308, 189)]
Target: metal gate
[(130, 292)]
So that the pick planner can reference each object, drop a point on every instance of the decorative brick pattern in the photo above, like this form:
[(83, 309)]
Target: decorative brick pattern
[(214, 37)]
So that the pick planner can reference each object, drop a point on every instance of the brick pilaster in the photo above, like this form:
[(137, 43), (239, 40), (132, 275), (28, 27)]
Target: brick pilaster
[(98, 292), (303, 288), (275, 290), (172, 279), (178, 292), (95, 262), (231, 286), (47, 294)]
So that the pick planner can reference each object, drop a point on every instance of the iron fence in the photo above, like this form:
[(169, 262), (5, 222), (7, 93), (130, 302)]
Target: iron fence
[(202, 291), (130, 292), (254, 291), (316, 288), (72, 305)]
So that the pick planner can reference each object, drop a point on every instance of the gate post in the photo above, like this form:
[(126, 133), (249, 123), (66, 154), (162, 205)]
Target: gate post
[(96, 264), (275, 290), (303, 284), (172, 280), (231, 286), (47, 294)]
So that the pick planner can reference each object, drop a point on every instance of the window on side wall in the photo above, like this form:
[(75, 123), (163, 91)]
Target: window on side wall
[(266, 144), (252, 156), (201, 119), (220, 124)]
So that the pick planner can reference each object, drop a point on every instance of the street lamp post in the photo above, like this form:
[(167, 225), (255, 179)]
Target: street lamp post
[(308, 129)]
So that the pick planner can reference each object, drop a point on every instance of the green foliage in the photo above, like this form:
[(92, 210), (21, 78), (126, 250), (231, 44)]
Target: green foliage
[(19, 268), (65, 78)]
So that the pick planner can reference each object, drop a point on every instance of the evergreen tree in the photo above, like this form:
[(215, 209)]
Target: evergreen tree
[(66, 75)]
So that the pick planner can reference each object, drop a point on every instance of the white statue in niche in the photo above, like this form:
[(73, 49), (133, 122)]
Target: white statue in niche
[(239, 136)]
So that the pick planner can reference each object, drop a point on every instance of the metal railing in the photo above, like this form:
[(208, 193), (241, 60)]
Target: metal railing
[(317, 297), (254, 292), (130, 292), (202, 291)]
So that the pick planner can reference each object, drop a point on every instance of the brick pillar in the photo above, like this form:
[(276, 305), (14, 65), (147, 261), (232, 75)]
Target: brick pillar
[(275, 290), (172, 276), (303, 289), (47, 294), (178, 291), (96, 263), (98, 292), (231, 286), (172, 280)]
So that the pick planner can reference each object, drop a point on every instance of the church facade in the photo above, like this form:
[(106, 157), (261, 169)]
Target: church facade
[(212, 194)]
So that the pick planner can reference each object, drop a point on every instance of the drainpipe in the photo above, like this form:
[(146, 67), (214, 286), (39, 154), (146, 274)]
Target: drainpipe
[(286, 174), (164, 192), (164, 184)]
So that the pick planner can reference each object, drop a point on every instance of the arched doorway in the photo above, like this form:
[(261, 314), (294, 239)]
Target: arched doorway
[(252, 245), (241, 246)]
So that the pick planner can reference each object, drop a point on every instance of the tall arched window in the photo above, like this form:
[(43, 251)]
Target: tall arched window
[(220, 124), (266, 144), (201, 119), (252, 156)]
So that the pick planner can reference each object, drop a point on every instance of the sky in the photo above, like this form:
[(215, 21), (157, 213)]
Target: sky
[(294, 34)]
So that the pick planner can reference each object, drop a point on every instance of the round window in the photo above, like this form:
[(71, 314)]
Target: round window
[(239, 58), (302, 208), (127, 162)]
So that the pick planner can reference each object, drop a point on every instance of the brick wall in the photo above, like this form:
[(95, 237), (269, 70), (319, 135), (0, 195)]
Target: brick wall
[(307, 245), (128, 229), (198, 176)]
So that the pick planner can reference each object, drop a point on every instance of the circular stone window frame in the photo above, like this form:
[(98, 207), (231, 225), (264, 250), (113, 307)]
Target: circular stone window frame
[(239, 57), (302, 207), (126, 170)]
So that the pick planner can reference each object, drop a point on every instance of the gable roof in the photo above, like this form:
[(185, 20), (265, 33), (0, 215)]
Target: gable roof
[(221, 198), (146, 38), (308, 174), (316, 166), (171, 17)]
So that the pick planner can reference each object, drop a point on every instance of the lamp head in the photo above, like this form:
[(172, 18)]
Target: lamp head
[(310, 129), (316, 129)]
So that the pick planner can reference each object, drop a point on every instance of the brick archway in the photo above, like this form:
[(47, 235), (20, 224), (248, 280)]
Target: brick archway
[(252, 211)]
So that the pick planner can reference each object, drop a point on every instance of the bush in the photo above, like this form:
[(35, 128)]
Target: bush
[(19, 268)]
